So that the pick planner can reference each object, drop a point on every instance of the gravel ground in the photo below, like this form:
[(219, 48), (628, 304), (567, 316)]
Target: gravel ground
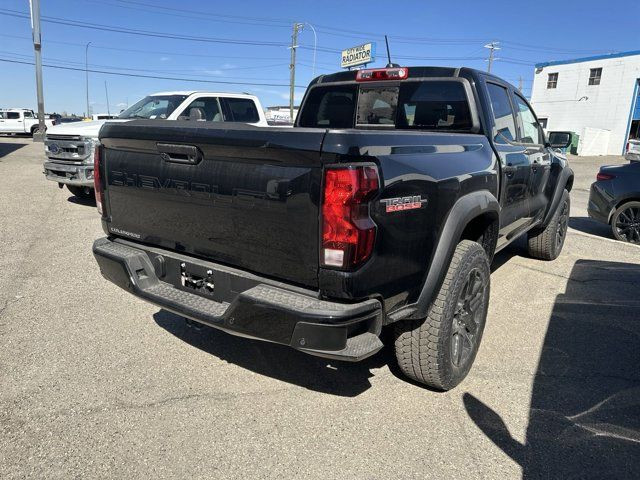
[(95, 383)]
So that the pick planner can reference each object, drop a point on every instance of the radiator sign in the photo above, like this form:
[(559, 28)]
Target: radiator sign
[(358, 55)]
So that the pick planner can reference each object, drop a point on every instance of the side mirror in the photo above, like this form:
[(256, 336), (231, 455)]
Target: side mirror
[(559, 139)]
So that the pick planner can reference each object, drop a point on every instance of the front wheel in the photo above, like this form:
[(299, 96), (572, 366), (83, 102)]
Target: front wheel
[(625, 222), (81, 192), (439, 350)]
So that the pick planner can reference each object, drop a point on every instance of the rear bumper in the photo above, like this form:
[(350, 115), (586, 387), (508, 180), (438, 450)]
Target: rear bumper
[(242, 303), (69, 174)]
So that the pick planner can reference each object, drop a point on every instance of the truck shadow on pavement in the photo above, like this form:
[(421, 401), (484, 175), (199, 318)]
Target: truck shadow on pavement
[(584, 417), (286, 364), (84, 201), (277, 361), (7, 148), (589, 225)]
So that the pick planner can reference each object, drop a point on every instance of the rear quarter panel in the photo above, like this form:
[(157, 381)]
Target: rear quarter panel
[(440, 168)]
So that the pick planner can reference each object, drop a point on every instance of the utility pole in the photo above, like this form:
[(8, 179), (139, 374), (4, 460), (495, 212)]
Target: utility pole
[(86, 73), (491, 46), (34, 7), (292, 66), (520, 83)]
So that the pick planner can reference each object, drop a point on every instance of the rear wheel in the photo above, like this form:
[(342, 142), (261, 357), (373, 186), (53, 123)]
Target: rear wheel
[(546, 244), (625, 222), (81, 192), (439, 350)]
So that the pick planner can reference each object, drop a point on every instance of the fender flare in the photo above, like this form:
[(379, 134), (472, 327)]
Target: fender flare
[(463, 211), (633, 196), (565, 176)]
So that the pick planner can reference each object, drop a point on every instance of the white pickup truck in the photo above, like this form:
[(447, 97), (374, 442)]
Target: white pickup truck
[(633, 150), (69, 147), (20, 120)]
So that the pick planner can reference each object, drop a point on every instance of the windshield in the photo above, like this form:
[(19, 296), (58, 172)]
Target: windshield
[(157, 106), (424, 105)]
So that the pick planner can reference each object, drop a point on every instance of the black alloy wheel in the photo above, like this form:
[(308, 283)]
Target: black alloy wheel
[(466, 318), (563, 224), (626, 223)]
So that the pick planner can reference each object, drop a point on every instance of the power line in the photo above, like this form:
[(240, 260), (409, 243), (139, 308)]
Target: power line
[(403, 57), (120, 74), (286, 22), (198, 15), (63, 63), (539, 48), (118, 67), (154, 52), (144, 33)]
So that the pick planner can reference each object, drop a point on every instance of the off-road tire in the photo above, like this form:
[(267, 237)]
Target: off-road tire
[(34, 129), (547, 243), (625, 222), (425, 347), (81, 192)]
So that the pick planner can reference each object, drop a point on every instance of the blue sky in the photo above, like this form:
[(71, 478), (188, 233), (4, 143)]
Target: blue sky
[(421, 33)]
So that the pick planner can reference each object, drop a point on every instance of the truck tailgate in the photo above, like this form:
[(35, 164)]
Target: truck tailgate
[(240, 195)]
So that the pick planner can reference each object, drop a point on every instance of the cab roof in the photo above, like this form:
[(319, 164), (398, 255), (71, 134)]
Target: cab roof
[(203, 92), (414, 72)]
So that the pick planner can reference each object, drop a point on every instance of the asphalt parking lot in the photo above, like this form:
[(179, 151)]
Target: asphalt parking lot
[(95, 383)]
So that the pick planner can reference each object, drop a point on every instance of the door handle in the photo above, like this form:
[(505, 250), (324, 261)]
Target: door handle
[(176, 153)]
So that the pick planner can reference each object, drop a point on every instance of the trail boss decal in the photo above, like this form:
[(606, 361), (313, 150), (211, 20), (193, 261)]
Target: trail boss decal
[(403, 203)]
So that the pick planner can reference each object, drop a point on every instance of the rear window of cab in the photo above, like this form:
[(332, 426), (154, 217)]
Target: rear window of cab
[(423, 105)]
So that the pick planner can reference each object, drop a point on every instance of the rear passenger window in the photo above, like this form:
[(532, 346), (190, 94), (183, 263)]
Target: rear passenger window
[(13, 115), (243, 110), (502, 114), (331, 107), (434, 105), (203, 110), (529, 128)]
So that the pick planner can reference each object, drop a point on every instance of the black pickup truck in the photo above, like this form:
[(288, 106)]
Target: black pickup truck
[(384, 204)]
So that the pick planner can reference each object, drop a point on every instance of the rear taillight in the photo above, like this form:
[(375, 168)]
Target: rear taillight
[(604, 176), (628, 147), (377, 74), (97, 184), (348, 233)]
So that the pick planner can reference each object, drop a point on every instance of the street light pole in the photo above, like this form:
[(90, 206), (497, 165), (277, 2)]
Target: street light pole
[(315, 47), (86, 72)]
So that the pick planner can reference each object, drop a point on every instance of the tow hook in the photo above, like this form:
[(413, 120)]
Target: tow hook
[(201, 284)]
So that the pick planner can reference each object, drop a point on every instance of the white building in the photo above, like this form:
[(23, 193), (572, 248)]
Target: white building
[(595, 97)]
